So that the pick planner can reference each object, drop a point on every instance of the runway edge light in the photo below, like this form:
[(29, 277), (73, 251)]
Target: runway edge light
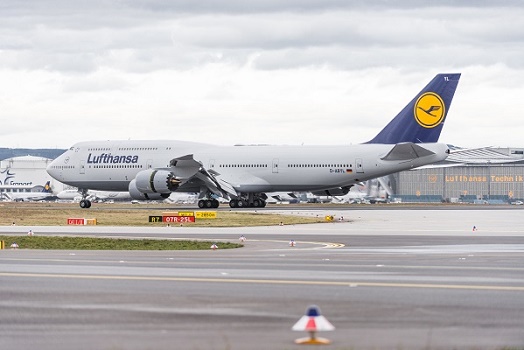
[(313, 322)]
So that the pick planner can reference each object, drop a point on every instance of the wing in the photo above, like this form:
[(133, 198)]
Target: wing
[(193, 176)]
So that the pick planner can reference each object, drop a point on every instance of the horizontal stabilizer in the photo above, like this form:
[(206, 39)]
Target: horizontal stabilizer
[(438, 166), (407, 151)]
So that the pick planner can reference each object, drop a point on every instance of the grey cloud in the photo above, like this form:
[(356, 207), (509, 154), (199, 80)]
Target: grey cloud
[(429, 36), (422, 27), (271, 6), (142, 36)]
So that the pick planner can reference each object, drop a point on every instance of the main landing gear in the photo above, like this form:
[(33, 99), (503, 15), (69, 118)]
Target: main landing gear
[(246, 200), (208, 203), (243, 203)]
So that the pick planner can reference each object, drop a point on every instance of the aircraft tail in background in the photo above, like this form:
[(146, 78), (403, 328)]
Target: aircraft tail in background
[(421, 121), (47, 187), (37, 193)]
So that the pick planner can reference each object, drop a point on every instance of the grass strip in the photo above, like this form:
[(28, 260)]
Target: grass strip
[(90, 243), (56, 214)]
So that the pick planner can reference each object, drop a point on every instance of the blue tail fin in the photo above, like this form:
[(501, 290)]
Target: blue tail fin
[(421, 121), (47, 187)]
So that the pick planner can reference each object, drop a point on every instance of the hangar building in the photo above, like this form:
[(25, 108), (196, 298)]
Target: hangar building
[(26, 174), (487, 175)]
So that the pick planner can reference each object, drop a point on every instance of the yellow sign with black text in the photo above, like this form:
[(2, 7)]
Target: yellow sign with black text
[(206, 214)]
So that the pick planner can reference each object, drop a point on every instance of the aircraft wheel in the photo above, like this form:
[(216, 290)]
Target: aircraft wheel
[(233, 203), (209, 203), (263, 205), (201, 203), (256, 203), (85, 203), (240, 203), (215, 203)]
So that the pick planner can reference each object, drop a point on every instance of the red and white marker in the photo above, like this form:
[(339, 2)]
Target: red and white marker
[(313, 322)]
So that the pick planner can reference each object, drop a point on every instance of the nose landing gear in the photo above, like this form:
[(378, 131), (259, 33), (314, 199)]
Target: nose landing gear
[(84, 202)]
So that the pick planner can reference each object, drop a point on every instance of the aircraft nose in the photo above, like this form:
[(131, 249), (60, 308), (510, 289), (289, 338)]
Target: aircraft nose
[(53, 169)]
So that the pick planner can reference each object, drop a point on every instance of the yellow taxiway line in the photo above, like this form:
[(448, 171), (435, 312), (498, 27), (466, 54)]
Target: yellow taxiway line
[(272, 281)]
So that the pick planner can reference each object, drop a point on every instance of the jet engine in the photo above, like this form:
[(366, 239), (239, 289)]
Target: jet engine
[(156, 181), (136, 194), (153, 184), (337, 191)]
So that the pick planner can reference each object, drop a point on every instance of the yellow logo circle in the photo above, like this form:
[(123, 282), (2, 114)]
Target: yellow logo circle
[(429, 110)]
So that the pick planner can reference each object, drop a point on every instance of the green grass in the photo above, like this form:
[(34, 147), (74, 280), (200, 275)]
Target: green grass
[(88, 243), (56, 214)]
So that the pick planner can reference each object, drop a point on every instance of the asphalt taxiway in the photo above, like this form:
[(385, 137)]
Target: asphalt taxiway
[(386, 279)]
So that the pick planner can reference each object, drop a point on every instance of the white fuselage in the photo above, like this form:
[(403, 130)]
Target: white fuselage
[(111, 165)]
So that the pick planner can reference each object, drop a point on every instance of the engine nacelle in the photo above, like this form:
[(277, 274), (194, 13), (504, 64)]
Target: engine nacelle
[(136, 194), (337, 191), (156, 181)]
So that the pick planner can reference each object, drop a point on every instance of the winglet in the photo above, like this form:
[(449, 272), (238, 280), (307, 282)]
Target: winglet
[(421, 121)]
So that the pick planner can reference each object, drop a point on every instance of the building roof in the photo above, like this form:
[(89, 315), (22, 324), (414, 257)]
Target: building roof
[(485, 155)]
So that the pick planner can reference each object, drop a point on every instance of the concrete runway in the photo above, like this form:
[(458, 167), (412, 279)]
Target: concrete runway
[(386, 279)]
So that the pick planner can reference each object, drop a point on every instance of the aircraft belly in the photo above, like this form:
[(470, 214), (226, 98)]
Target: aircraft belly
[(297, 182)]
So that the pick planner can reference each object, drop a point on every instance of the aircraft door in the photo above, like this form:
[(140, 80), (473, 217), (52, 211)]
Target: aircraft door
[(82, 167), (149, 164), (358, 165), (275, 166)]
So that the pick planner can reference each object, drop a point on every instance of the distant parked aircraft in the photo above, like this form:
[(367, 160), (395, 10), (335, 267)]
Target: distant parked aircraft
[(36, 194)]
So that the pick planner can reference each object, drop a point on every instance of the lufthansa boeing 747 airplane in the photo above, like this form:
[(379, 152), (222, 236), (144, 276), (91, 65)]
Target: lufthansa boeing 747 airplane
[(244, 174)]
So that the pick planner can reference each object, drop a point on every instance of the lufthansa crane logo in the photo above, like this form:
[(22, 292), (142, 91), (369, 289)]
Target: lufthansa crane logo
[(429, 110)]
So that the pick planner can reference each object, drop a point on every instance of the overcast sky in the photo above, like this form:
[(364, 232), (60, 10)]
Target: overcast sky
[(252, 72)]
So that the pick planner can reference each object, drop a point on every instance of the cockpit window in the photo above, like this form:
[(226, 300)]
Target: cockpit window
[(72, 147)]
